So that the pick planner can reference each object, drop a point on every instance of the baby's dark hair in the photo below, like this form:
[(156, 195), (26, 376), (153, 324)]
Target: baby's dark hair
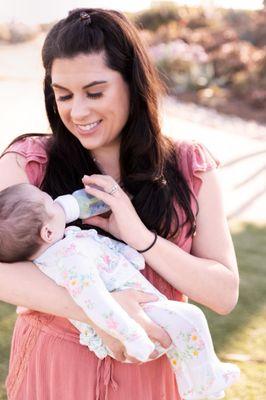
[(21, 220)]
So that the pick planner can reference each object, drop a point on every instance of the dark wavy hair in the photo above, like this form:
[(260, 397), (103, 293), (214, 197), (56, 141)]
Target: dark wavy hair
[(148, 160)]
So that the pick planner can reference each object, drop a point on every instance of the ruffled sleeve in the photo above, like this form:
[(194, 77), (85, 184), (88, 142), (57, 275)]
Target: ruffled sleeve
[(194, 158), (33, 148)]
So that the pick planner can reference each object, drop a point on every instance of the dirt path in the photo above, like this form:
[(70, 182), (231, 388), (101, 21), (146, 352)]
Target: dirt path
[(241, 150)]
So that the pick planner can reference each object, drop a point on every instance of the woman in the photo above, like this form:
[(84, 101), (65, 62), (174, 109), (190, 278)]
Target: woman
[(101, 100)]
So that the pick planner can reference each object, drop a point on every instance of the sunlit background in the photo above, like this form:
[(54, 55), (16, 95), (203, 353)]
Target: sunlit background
[(34, 12)]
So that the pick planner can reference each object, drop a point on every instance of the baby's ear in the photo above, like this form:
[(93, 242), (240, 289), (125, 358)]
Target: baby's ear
[(46, 234)]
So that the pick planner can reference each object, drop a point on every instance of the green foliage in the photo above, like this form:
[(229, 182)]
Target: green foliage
[(7, 318)]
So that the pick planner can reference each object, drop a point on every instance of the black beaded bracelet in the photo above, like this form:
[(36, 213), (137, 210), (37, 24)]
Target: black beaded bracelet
[(153, 243)]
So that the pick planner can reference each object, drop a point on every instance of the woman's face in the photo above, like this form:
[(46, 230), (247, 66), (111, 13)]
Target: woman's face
[(92, 99)]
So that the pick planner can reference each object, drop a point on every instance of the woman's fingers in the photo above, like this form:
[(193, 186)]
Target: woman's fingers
[(118, 352), (123, 214), (99, 180), (100, 194), (97, 221), (131, 300), (103, 183), (114, 345), (154, 331), (143, 297)]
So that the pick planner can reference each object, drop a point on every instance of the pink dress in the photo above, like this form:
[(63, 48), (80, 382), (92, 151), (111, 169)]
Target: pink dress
[(48, 363)]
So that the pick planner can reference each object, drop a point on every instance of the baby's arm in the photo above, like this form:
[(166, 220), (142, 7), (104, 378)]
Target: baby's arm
[(78, 273)]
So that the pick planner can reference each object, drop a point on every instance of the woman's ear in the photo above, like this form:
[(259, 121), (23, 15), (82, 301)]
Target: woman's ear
[(46, 234)]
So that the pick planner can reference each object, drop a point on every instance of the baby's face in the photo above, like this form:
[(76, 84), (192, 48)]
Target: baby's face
[(56, 221), (57, 217)]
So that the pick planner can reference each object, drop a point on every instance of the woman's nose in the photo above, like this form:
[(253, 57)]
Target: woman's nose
[(80, 110)]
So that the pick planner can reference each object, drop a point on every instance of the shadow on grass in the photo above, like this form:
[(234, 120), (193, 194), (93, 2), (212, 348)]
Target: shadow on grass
[(249, 241)]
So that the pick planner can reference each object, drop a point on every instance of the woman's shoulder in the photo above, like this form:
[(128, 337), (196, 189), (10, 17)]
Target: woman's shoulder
[(193, 157), (29, 145), (33, 152)]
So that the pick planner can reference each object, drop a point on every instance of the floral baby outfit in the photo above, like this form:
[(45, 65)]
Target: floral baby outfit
[(91, 266)]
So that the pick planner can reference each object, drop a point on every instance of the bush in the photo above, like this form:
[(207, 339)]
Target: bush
[(17, 33), (250, 26), (182, 66), (155, 17), (217, 56)]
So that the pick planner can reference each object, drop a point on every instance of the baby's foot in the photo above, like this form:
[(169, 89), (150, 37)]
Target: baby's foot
[(229, 374), (210, 384)]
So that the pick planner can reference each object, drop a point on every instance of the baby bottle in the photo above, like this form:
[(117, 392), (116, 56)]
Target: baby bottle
[(82, 205)]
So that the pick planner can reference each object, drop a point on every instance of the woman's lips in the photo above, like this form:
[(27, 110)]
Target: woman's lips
[(88, 128)]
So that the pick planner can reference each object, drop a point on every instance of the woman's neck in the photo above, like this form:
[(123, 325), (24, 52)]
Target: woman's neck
[(107, 160)]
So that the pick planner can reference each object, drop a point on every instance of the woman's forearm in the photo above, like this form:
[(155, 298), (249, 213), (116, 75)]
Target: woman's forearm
[(208, 275), (205, 281), (24, 285)]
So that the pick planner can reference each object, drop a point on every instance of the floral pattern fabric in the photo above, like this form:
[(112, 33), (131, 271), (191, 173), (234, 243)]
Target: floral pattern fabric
[(91, 266)]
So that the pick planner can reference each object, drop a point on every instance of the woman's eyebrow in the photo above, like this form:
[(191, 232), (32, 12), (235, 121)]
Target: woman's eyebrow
[(94, 83)]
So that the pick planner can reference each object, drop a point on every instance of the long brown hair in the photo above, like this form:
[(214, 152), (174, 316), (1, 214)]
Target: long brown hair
[(148, 160)]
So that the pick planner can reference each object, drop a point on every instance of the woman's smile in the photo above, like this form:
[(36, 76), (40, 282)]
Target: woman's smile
[(88, 128)]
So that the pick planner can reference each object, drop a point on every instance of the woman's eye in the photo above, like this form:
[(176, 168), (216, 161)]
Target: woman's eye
[(94, 95), (64, 98), (90, 95)]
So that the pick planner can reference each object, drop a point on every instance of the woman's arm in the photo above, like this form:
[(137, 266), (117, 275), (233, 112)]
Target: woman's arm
[(23, 284), (209, 275)]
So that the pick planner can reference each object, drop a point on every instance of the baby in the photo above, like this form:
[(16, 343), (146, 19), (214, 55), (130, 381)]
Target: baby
[(90, 266)]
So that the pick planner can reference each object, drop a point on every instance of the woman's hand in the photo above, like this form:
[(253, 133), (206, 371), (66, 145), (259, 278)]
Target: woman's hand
[(123, 223), (131, 301), (117, 348)]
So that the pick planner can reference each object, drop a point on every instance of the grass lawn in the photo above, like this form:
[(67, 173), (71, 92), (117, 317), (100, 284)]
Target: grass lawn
[(240, 335)]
